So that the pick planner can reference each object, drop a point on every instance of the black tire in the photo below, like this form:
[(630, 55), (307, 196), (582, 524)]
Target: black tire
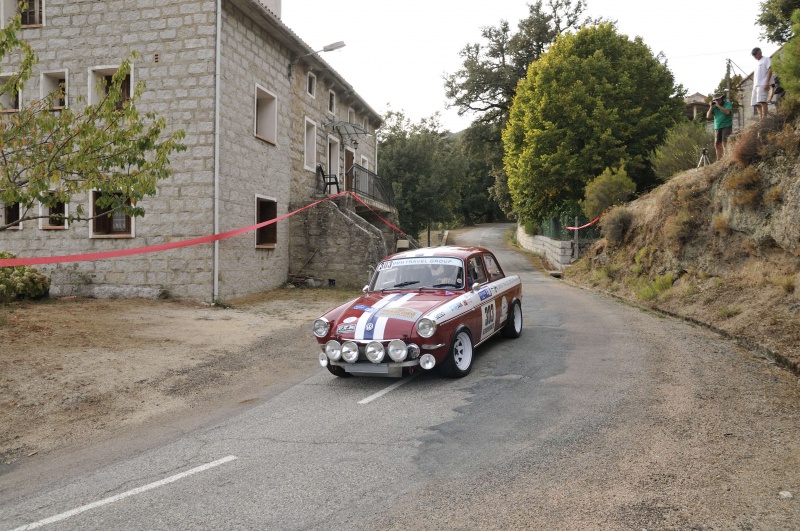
[(338, 371), (458, 362), (513, 326)]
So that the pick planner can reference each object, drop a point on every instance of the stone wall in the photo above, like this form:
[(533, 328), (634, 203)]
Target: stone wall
[(558, 253)]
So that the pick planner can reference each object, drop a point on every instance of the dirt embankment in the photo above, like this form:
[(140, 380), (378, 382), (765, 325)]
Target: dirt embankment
[(75, 370)]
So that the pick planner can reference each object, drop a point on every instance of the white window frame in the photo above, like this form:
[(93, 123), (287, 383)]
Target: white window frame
[(8, 8), (332, 102), (310, 145), (365, 162), (44, 221), (351, 115), (333, 160), (311, 79), (98, 72), (49, 84), (93, 236), (5, 98), (255, 218), (265, 115)]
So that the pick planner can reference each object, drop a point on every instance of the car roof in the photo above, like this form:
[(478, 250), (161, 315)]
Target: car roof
[(446, 250)]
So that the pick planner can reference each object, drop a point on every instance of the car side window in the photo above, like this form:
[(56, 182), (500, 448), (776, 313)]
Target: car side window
[(476, 272), (492, 268)]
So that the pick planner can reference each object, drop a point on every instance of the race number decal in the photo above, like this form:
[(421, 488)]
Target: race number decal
[(488, 315)]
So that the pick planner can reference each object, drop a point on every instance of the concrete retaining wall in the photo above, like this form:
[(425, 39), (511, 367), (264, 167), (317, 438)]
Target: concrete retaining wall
[(557, 253)]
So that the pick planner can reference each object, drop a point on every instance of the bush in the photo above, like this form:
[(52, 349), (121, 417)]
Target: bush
[(681, 149), (787, 66), (746, 186), (745, 147), (615, 225), (22, 282), (608, 189)]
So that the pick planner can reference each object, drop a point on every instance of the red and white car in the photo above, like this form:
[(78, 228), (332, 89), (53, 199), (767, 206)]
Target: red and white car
[(424, 308)]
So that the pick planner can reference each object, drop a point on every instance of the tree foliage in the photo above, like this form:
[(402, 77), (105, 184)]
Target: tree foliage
[(593, 99), (610, 188), (49, 156), (425, 168), (681, 150), (487, 81), (787, 66), (775, 19)]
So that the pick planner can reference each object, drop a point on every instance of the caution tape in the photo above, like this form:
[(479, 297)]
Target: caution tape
[(12, 262), (584, 226)]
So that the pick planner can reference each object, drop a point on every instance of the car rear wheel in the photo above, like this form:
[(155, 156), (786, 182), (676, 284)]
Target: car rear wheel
[(459, 360), (513, 327), (338, 371)]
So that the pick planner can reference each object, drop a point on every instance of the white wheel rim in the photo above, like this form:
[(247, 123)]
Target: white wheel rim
[(462, 351), (517, 319)]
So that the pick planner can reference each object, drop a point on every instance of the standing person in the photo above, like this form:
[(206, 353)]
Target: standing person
[(761, 80), (722, 111)]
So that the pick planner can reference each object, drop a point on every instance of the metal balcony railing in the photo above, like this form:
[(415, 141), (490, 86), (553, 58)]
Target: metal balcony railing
[(368, 185)]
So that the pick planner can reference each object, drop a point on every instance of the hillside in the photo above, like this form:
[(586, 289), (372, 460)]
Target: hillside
[(719, 245)]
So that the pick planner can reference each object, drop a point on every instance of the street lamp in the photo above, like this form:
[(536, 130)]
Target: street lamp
[(329, 48)]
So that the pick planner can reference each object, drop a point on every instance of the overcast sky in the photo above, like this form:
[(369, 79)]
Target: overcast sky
[(399, 50)]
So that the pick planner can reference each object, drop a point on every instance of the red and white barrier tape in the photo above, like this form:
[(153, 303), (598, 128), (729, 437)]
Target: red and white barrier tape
[(584, 226), (12, 262)]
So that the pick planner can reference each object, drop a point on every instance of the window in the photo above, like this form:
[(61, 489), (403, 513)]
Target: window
[(266, 209), (334, 152), (332, 102), (55, 216), (364, 162), (476, 272), (108, 223), (492, 268), (310, 160), (9, 100), (266, 123), (55, 83), (32, 14), (351, 116), (311, 85), (100, 82), (11, 214)]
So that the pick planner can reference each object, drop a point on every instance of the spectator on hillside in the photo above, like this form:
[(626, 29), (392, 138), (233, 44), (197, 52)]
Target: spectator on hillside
[(761, 81), (722, 112)]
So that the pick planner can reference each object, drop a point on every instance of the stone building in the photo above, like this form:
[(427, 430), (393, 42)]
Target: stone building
[(270, 127)]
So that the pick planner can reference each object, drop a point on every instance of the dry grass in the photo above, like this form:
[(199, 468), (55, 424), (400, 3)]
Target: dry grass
[(616, 224), (720, 224)]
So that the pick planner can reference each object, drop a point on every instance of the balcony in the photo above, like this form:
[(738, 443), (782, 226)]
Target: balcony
[(372, 189)]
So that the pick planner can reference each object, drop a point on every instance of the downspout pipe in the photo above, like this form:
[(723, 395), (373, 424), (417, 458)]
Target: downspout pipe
[(217, 100)]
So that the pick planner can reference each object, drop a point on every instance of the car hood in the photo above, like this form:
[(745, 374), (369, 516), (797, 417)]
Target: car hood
[(385, 316)]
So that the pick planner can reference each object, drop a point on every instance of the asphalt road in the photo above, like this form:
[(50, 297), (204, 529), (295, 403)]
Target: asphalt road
[(600, 416)]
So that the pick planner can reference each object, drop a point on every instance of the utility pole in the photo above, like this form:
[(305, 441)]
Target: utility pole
[(728, 79)]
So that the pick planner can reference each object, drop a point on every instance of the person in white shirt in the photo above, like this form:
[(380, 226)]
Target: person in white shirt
[(761, 80)]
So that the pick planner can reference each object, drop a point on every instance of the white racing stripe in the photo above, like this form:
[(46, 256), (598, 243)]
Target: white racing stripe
[(138, 490), (392, 387)]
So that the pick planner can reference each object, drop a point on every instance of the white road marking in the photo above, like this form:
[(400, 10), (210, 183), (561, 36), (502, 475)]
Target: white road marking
[(138, 490), (392, 387)]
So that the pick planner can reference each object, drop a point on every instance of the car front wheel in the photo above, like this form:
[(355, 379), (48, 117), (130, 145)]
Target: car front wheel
[(459, 360)]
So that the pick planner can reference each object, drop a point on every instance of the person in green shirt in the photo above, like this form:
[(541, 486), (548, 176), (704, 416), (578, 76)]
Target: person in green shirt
[(722, 111)]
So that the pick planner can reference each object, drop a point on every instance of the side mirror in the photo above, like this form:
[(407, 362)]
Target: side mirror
[(365, 288), (476, 287)]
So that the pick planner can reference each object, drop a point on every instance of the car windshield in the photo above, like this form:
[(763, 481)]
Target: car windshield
[(431, 272)]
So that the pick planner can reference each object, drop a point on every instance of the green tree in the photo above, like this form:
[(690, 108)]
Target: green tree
[(787, 67), (487, 81), (610, 188), (425, 168), (593, 99), (681, 150), (775, 19), (48, 156)]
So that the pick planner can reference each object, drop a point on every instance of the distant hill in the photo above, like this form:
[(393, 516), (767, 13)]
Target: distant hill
[(719, 244)]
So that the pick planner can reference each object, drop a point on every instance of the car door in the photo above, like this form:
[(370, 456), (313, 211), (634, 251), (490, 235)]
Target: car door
[(485, 319)]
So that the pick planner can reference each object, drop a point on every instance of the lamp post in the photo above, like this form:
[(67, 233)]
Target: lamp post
[(329, 48)]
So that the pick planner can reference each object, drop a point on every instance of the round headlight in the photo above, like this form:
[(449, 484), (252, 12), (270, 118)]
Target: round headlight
[(427, 361), (321, 327), (397, 350), (323, 359), (350, 352), (426, 327), (333, 350), (413, 351), (375, 352)]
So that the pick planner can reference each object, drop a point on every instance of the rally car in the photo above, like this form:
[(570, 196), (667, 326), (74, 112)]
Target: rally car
[(423, 308)]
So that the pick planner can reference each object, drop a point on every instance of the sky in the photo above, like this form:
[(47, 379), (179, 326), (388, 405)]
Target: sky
[(398, 51)]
